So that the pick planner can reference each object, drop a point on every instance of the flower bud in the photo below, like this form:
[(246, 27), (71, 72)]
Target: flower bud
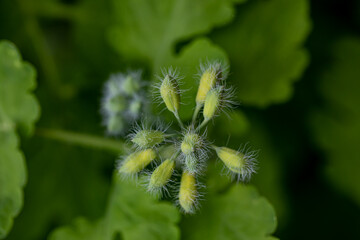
[(169, 91), (241, 165), (161, 175), (188, 192), (212, 102), (232, 159), (148, 138), (211, 74), (207, 81), (190, 142), (137, 161)]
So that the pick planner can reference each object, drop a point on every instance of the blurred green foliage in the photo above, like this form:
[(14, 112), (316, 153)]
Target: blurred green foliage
[(307, 131), (337, 126)]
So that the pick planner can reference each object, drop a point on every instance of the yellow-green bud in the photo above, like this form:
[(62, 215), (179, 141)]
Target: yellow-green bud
[(148, 138), (161, 175), (207, 81), (212, 102), (169, 91), (137, 161), (232, 159), (188, 192), (190, 142)]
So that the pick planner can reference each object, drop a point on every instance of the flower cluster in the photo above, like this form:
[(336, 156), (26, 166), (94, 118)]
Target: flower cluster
[(190, 147), (123, 101)]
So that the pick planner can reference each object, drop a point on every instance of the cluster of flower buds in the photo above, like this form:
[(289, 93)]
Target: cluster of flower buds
[(123, 101), (190, 147)]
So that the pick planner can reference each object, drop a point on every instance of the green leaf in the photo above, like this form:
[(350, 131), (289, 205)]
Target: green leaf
[(131, 213), (264, 44), (18, 109), (337, 126), (17, 79), (148, 31), (12, 177), (239, 213)]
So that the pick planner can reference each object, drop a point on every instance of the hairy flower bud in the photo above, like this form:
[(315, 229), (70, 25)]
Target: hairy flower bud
[(137, 161), (170, 94), (188, 192), (161, 175), (243, 165), (212, 102), (234, 160), (211, 74), (148, 138), (190, 142), (207, 81)]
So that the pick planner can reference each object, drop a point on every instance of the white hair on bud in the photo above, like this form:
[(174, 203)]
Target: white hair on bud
[(159, 192), (166, 162), (219, 66), (198, 197), (201, 151), (250, 167), (174, 75)]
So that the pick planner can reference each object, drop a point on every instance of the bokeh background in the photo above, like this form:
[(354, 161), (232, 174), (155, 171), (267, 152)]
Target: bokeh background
[(296, 67)]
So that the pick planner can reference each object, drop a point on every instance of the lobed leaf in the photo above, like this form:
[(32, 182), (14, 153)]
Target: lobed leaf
[(18, 109), (132, 214), (239, 213), (264, 44), (148, 31)]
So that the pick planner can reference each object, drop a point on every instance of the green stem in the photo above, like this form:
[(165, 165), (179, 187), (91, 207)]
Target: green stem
[(196, 112), (178, 119), (84, 140), (213, 147), (202, 124)]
